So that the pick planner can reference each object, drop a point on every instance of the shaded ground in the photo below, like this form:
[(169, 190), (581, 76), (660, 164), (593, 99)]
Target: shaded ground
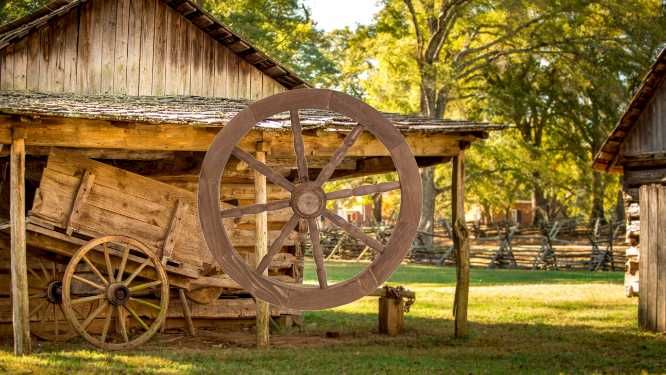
[(523, 322)]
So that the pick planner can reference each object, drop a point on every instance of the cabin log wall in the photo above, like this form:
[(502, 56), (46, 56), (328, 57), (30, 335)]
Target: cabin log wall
[(129, 47)]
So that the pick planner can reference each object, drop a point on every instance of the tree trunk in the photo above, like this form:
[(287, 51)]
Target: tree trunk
[(620, 214), (377, 208), (428, 212), (539, 202), (597, 197)]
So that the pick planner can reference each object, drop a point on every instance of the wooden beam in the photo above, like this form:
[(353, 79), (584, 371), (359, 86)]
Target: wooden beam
[(261, 197), (461, 243), (20, 300), (132, 136)]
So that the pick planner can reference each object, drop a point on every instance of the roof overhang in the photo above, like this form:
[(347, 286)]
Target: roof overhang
[(609, 155)]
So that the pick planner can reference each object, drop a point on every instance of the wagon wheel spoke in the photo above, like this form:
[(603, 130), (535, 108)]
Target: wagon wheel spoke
[(123, 264), (136, 272), (122, 323), (107, 323), (299, 147), (364, 190), (354, 231), (137, 317), (38, 295), (109, 266), (56, 321), (47, 278), (339, 155), (94, 314), (313, 229), (88, 282), (142, 287), (145, 303), (39, 308), (254, 209), (95, 270), (42, 282), (277, 244), (263, 169), (94, 298)]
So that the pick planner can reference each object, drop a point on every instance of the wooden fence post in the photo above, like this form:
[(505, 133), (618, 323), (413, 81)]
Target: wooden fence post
[(461, 244), (19, 271), (261, 248)]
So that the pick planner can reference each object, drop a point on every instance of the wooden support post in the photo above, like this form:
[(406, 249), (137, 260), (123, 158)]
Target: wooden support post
[(461, 244), (261, 248), (187, 313), (391, 315), (20, 300)]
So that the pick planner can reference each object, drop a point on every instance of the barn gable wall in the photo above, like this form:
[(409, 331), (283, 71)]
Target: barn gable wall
[(648, 136), (129, 47)]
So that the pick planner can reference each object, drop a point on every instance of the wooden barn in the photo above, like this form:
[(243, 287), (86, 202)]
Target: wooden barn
[(107, 108), (637, 148)]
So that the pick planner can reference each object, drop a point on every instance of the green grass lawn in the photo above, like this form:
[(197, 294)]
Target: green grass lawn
[(521, 322)]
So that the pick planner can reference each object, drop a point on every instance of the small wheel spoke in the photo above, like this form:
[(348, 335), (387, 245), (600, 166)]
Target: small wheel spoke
[(95, 270), (354, 231), (318, 255), (39, 308), (339, 155), (137, 317), (145, 286), (254, 209), (47, 278), (81, 300), (36, 276), (88, 282), (263, 169), (277, 244), (145, 303), (109, 266), (136, 272), (55, 273), (122, 323), (38, 295), (56, 321), (123, 264), (94, 314), (364, 190), (107, 323), (299, 147)]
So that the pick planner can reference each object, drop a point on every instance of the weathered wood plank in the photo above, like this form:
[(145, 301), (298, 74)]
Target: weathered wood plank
[(44, 57), (32, 69), (120, 84), (174, 33), (134, 46), (7, 64), (183, 76), (147, 47), (661, 264), (71, 35), (461, 244), (108, 46), (85, 47), (20, 64), (160, 49), (196, 69)]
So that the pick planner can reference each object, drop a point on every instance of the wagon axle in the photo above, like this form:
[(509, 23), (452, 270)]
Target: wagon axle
[(118, 294), (54, 292)]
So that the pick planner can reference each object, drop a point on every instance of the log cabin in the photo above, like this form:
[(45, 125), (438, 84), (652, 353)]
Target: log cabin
[(636, 148), (133, 92)]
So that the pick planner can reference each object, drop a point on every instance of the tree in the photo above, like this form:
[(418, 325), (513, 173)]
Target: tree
[(284, 30), (13, 9)]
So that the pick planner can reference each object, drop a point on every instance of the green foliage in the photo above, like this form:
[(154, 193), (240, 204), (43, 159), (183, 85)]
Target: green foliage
[(13, 9), (284, 30)]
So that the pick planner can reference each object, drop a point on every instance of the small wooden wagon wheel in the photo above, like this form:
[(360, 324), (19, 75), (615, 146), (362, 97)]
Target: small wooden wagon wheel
[(308, 200), (130, 286), (48, 320)]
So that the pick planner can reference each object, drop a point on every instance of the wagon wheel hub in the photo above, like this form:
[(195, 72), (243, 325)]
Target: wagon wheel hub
[(308, 200), (118, 294), (54, 292)]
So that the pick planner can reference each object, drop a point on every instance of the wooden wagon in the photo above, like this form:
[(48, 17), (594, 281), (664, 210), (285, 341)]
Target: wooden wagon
[(146, 240)]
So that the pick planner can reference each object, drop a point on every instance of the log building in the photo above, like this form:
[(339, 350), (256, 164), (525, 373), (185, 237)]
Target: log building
[(637, 148), (133, 92)]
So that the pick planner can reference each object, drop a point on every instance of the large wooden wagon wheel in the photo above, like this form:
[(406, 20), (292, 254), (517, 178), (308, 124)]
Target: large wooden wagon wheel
[(131, 288), (308, 200), (47, 317)]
